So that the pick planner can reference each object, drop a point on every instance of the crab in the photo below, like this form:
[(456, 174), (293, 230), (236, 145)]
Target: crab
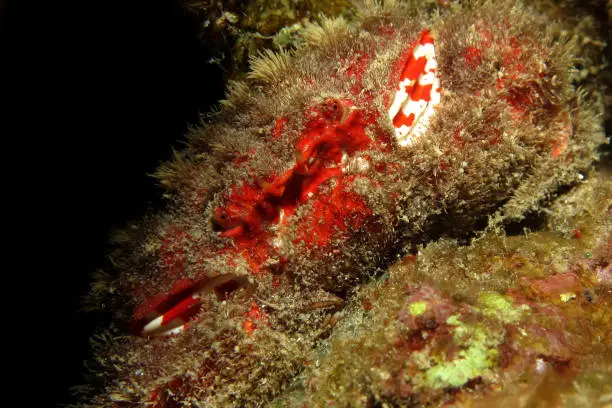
[(254, 214)]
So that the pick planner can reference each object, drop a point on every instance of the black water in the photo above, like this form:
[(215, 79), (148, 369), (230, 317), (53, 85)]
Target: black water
[(97, 93)]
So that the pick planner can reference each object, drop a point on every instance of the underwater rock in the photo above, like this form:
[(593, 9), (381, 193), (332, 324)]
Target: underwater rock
[(326, 165), (498, 343)]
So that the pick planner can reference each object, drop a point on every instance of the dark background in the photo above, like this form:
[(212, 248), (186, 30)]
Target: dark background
[(97, 93)]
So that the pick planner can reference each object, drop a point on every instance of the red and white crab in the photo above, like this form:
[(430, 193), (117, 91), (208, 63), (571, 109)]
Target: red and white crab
[(254, 214)]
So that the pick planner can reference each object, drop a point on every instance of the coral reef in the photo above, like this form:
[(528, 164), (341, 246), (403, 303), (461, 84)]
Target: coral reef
[(339, 233)]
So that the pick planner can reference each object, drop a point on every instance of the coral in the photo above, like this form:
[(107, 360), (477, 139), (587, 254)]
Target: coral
[(270, 266)]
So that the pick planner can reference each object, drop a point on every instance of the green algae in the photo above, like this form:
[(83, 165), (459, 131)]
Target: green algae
[(501, 308), (418, 308), (478, 344), (471, 363), (566, 297), (479, 354), (453, 320)]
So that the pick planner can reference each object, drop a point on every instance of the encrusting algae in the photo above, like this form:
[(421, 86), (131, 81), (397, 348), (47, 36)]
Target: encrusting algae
[(335, 236)]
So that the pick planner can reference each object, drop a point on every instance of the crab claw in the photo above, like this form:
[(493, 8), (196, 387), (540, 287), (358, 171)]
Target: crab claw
[(418, 92), (171, 313)]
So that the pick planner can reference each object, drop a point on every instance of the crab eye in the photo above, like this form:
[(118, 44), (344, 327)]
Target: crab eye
[(222, 220), (333, 109)]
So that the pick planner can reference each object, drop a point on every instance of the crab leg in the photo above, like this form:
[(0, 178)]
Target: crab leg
[(174, 320), (174, 317)]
